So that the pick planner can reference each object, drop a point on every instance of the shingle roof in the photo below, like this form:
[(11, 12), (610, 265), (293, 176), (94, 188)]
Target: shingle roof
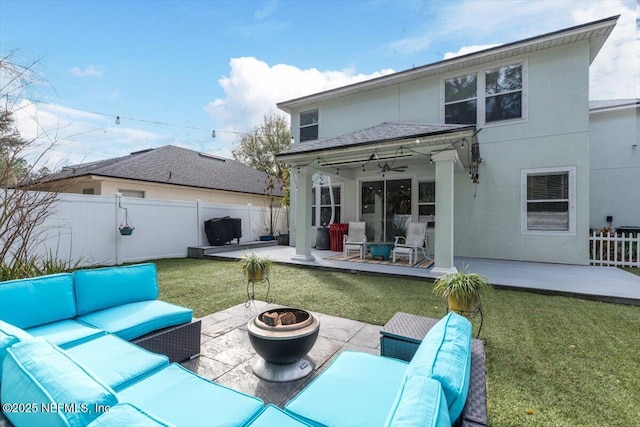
[(178, 166), (387, 131)]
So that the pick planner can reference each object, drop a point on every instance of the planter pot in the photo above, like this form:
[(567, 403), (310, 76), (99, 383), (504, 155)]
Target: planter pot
[(456, 304), (126, 231), (255, 276), (283, 240), (267, 238)]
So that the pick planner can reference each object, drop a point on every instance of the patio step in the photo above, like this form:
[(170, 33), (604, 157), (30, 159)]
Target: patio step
[(203, 251)]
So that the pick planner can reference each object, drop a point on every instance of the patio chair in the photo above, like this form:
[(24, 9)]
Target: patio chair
[(356, 240), (416, 240)]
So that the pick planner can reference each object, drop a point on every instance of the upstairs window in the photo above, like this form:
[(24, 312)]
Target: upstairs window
[(461, 99), (485, 97), (309, 126), (503, 93), (132, 193)]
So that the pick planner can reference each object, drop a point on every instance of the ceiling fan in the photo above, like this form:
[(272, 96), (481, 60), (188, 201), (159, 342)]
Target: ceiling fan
[(386, 168)]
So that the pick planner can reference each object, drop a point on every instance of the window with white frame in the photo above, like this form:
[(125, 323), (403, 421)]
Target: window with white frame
[(321, 205), (132, 193), (309, 125), (487, 96), (548, 198), (427, 202)]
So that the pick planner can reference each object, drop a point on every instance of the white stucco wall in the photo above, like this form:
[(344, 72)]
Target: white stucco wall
[(615, 167), (488, 217)]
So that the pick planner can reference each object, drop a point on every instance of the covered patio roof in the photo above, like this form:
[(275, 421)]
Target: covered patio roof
[(400, 143)]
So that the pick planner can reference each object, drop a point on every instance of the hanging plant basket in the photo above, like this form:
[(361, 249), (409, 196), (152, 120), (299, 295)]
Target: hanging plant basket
[(126, 230)]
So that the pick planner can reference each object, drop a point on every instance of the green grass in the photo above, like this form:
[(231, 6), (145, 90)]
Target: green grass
[(550, 360)]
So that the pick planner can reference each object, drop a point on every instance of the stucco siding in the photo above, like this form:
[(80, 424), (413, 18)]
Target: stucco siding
[(615, 167)]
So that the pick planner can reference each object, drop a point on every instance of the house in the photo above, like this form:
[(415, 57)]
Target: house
[(490, 148), (614, 128), (168, 172)]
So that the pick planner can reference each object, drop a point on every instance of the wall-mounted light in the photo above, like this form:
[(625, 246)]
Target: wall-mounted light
[(117, 120)]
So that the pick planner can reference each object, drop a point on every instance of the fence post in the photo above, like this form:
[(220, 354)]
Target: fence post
[(249, 205), (118, 199), (198, 222)]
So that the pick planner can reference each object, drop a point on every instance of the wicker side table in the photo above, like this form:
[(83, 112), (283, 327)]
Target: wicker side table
[(401, 337), (178, 343)]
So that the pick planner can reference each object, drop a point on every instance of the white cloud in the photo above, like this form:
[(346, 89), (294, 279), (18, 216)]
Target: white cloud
[(469, 49), (253, 88), (90, 71), (63, 136)]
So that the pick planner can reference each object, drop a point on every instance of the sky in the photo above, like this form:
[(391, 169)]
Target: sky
[(174, 71)]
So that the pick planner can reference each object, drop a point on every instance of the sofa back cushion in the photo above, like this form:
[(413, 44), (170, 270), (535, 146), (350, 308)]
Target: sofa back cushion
[(9, 335), (38, 377), (36, 301), (420, 402), (445, 356), (102, 288)]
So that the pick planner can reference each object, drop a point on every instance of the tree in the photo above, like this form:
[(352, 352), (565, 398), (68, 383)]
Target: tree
[(258, 148), (22, 162)]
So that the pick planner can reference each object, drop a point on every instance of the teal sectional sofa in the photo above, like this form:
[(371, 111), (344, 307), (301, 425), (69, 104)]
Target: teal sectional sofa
[(65, 360)]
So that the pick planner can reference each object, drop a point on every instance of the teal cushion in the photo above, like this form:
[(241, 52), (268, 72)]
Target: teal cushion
[(66, 333), (124, 414), (26, 303), (180, 397), (445, 355), (9, 335), (272, 416), (357, 389), (117, 362), (102, 288), (419, 403), (43, 375), (133, 320)]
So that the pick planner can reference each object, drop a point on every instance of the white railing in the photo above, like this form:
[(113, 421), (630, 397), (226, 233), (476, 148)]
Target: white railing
[(614, 249)]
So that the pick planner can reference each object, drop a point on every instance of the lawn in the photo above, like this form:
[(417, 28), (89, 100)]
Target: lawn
[(550, 360)]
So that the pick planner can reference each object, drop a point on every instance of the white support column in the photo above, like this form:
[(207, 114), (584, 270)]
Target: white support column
[(199, 222), (303, 215), (443, 247)]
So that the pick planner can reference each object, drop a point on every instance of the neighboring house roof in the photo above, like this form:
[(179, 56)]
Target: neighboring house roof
[(595, 32), (177, 166), (383, 132), (613, 104)]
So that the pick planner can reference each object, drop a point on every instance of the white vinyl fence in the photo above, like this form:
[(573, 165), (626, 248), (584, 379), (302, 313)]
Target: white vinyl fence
[(611, 249), (85, 228)]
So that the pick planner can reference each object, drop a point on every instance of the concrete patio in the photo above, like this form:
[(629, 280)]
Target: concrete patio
[(608, 284), (227, 355)]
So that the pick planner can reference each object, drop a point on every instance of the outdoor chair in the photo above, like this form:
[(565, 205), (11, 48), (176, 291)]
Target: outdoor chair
[(416, 240), (356, 240)]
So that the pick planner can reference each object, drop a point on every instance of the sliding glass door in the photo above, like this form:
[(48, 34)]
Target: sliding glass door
[(386, 208)]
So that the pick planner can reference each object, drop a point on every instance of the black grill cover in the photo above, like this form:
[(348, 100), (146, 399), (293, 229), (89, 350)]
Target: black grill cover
[(221, 231)]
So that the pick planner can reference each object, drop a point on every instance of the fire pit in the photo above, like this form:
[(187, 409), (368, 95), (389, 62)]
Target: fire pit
[(283, 337)]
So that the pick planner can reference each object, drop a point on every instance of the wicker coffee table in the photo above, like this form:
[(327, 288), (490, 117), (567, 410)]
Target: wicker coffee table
[(401, 337)]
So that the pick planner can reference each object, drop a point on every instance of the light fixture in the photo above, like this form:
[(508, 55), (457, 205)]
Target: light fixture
[(213, 133), (117, 120), (417, 140)]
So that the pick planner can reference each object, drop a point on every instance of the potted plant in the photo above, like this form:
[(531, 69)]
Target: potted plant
[(461, 289), (256, 268)]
